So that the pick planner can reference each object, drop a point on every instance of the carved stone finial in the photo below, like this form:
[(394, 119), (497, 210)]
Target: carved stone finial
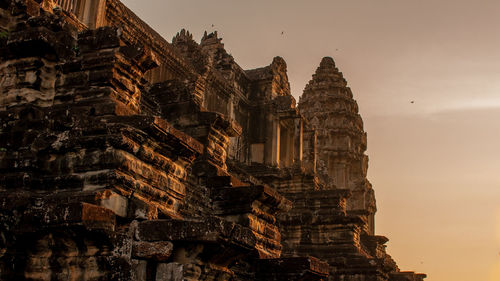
[(279, 62), (327, 62), (182, 36)]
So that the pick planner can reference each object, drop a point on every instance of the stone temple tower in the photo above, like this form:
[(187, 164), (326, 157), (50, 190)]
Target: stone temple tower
[(328, 105)]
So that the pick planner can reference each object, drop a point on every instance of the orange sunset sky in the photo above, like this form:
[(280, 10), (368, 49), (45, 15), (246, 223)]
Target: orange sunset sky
[(434, 163)]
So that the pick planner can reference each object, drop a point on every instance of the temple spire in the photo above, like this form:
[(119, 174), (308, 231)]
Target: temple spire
[(328, 105)]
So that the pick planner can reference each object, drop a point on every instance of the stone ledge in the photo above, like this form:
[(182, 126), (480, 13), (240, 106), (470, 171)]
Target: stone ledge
[(242, 198), (293, 268), (89, 216), (209, 230), (158, 251)]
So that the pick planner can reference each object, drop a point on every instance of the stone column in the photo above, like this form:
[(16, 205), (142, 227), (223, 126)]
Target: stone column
[(299, 138), (272, 156)]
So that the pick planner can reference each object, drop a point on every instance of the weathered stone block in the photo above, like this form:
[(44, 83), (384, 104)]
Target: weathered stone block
[(32, 8), (158, 251), (297, 268), (87, 214), (169, 272), (139, 270), (206, 230), (40, 42), (101, 38), (112, 201)]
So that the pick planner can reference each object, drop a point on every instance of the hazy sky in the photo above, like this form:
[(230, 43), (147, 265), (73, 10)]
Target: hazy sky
[(434, 163)]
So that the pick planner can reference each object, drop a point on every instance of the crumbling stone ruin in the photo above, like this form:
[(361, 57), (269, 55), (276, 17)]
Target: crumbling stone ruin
[(126, 157)]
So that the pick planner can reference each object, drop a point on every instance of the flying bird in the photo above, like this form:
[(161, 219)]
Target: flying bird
[(412, 101)]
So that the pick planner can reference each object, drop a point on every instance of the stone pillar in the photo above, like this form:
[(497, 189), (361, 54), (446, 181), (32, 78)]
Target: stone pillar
[(272, 149), (298, 143), (90, 12), (290, 152)]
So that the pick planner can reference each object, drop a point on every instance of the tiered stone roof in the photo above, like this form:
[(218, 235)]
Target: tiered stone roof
[(328, 105)]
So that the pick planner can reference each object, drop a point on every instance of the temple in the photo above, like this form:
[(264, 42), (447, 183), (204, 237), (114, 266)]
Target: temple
[(127, 157)]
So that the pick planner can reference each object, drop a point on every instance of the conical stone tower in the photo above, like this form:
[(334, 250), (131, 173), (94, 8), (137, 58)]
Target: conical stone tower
[(328, 105)]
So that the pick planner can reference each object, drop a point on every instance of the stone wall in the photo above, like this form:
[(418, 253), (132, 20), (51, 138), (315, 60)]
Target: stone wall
[(127, 157)]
